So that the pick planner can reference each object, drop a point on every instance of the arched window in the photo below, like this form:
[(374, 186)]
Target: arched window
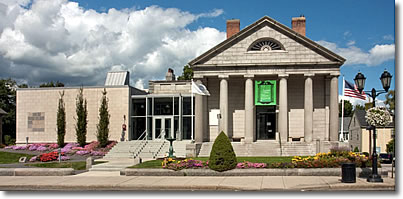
[(266, 44)]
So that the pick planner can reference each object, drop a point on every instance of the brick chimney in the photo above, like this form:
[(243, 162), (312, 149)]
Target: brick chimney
[(298, 24), (232, 27), (170, 76)]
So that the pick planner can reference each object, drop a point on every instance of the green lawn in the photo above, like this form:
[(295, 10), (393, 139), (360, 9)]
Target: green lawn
[(75, 165), (157, 163), (9, 158)]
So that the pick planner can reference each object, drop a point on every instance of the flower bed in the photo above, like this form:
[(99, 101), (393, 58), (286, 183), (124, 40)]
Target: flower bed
[(176, 165), (332, 159), (91, 149), (51, 156)]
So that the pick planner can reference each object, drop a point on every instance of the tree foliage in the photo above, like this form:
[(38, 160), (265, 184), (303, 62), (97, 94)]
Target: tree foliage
[(390, 146), (61, 121), (103, 125), (390, 100), (222, 155), (348, 109), (359, 107), (52, 84), (7, 103), (187, 73), (81, 125)]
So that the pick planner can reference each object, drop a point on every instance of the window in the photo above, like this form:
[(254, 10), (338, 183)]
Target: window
[(36, 122), (266, 44)]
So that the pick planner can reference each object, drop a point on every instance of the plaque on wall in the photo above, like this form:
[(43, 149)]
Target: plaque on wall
[(265, 92)]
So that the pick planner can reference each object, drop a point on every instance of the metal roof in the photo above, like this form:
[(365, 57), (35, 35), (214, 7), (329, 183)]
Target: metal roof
[(117, 78)]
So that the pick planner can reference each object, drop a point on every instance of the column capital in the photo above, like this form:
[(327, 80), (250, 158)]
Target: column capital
[(249, 76), (335, 74), (223, 76), (309, 74), (198, 76), (283, 75)]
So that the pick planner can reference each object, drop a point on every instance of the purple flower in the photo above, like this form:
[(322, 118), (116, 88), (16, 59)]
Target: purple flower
[(53, 146), (64, 158), (41, 148), (97, 153), (82, 152), (33, 159), (33, 148)]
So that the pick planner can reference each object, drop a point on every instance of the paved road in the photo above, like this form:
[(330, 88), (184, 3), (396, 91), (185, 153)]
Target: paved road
[(112, 181)]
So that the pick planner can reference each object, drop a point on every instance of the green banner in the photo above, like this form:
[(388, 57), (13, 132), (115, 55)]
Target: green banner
[(265, 92)]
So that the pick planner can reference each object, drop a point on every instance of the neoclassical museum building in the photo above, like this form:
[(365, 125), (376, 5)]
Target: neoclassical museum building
[(273, 91)]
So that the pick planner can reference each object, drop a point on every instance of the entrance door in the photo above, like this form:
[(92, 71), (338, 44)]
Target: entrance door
[(163, 128), (265, 124)]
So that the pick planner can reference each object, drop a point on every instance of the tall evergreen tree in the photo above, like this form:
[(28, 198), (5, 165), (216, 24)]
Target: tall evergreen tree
[(61, 121), (103, 125), (81, 110)]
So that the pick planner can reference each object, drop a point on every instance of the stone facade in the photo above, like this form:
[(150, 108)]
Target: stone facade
[(37, 111), (306, 74)]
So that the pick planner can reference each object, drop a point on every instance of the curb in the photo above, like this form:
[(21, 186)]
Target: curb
[(36, 171), (365, 172)]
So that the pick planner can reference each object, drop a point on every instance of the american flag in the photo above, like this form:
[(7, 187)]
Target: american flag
[(351, 90)]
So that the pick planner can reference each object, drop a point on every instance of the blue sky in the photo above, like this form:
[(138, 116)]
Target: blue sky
[(364, 31), (366, 23)]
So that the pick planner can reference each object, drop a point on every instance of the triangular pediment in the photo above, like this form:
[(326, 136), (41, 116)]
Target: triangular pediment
[(296, 49)]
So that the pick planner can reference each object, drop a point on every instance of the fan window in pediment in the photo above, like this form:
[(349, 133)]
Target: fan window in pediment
[(266, 45)]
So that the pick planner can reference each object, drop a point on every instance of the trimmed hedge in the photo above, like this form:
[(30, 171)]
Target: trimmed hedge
[(222, 156)]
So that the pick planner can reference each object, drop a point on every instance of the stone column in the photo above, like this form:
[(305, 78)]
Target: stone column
[(334, 109), (224, 104), (283, 109), (249, 110), (308, 108), (199, 118)]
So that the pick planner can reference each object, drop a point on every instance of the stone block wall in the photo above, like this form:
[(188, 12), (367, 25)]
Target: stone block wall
[(294, 51), (30, 102)]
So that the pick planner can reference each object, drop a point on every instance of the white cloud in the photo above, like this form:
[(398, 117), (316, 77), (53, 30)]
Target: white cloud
[(351, 43), (59, 39), (355, 101), (354, 55), (388, 37)]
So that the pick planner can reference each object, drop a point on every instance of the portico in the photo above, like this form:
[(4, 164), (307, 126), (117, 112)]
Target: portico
[(267, 82)]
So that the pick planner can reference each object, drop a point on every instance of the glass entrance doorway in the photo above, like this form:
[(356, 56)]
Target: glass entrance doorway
[(163, 128), (266, 123)]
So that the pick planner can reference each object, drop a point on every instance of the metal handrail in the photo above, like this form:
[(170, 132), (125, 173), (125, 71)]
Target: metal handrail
[(160, 147), (140, 146)]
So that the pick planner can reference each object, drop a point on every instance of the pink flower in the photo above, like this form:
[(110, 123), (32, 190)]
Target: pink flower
[(33, 159)]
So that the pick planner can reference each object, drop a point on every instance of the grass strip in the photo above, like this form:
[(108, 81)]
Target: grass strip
[(10, 158), (75, 165)]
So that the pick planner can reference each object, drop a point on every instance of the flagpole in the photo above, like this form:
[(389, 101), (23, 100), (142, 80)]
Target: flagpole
[(342, 113), (191, 101)]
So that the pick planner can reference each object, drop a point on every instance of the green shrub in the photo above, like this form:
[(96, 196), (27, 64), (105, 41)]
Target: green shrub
[(390, 146), (356, 149), (103, 125), (8, 140), (222, 156), (81, 125), (61, 121)]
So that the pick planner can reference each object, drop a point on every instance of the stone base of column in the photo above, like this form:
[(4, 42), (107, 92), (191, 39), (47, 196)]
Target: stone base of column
[(192, 150)]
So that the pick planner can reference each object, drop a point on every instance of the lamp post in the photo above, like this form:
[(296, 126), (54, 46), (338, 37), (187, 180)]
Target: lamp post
[(360, 82)]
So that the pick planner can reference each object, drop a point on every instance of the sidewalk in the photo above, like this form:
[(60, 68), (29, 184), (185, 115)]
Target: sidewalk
[(112, 181)]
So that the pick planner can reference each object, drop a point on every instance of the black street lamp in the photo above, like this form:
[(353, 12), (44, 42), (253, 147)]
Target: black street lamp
[(359, 80)]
